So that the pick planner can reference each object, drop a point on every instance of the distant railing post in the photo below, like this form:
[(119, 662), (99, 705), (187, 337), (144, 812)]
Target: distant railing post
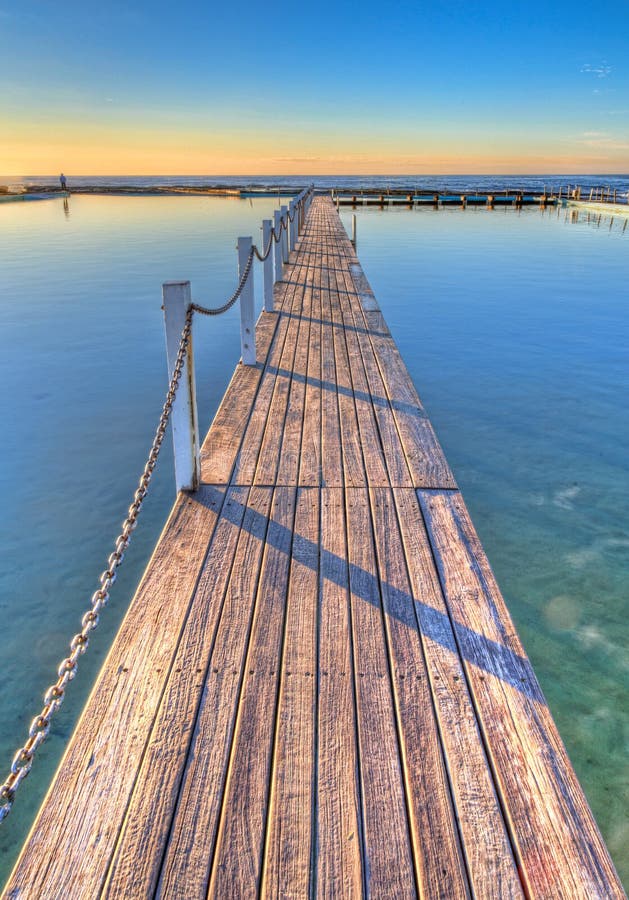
[(177, 299), (284, 212), (268, 266), (277, 247), (247, 324), (293, 225)]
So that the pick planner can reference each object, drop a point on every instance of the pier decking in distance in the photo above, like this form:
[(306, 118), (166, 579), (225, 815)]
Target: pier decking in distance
[(318, 690)]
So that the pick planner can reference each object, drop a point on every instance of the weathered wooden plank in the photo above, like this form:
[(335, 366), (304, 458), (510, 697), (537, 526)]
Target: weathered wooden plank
[(440, 869), (395, 458), (310, 459), (557, 844), (331, 461), (388, 853), (289, 450), (141, 845), (71, 826), (424, 455), (489, 857), (269, 456), (352, 449), (375, 471), (221, 445), (247, 458), (290, 831), (237, 865), (188, 857), (338, 859), (428, 676)]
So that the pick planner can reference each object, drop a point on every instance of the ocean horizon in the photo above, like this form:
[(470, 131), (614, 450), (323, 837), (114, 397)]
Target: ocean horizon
[(464, 182)]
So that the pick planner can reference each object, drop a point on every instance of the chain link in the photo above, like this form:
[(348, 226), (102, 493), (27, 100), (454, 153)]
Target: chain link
[(262, 257), (219, 310), (54, 696), (277, 236)]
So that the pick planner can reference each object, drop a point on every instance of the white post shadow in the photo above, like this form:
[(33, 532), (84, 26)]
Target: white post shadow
[(176, 299), (247, 324), (268, 266)]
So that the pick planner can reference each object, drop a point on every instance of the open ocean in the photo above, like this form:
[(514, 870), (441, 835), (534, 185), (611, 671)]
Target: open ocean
[(481, 183), (514, 325)]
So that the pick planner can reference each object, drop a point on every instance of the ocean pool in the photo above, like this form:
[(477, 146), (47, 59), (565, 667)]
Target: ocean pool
[(515, 329)]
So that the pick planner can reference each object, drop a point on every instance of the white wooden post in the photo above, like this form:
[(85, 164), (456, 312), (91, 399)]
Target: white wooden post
[(268, 266), (247, 324), (354, 230), (284, 213), (290, 226), (293, 225), (277, 248), (185, 426)]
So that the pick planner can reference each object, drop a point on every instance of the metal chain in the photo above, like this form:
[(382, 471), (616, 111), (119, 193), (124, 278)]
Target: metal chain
[(218, 310), (53, 698), (262, 257), (276, 237)]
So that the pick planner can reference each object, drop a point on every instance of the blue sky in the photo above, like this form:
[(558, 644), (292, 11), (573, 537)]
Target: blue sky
[(176, 88)]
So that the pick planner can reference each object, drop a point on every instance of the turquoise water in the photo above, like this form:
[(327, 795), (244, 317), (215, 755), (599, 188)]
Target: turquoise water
[(515, 329)]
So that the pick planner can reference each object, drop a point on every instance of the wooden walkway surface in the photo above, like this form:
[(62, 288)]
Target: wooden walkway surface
[(318, 690)]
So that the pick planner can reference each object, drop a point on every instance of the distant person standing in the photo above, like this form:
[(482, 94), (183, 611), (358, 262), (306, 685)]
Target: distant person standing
[(64, 185)]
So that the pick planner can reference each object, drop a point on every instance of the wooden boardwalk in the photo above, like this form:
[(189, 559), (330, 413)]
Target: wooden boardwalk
[(318, 690)]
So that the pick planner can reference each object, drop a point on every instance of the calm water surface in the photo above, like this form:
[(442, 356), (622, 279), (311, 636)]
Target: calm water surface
[(515, 329)]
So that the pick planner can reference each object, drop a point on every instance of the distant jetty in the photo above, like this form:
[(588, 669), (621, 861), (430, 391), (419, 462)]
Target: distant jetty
[(348, 195)]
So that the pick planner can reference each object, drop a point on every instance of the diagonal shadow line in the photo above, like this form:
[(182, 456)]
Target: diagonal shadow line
[(340, 325), (310, 265), (491, 656), (329, 290), (398, 405)]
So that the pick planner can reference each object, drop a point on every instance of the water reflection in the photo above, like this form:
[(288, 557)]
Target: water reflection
[(576, 216)]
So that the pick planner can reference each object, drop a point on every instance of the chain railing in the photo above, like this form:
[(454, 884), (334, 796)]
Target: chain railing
[(67, 670), (54, 696)]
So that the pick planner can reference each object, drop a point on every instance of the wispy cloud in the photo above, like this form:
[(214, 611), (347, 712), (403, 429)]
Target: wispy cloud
[(348, 158), (600, 140), (297, 159), (600, 71)]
